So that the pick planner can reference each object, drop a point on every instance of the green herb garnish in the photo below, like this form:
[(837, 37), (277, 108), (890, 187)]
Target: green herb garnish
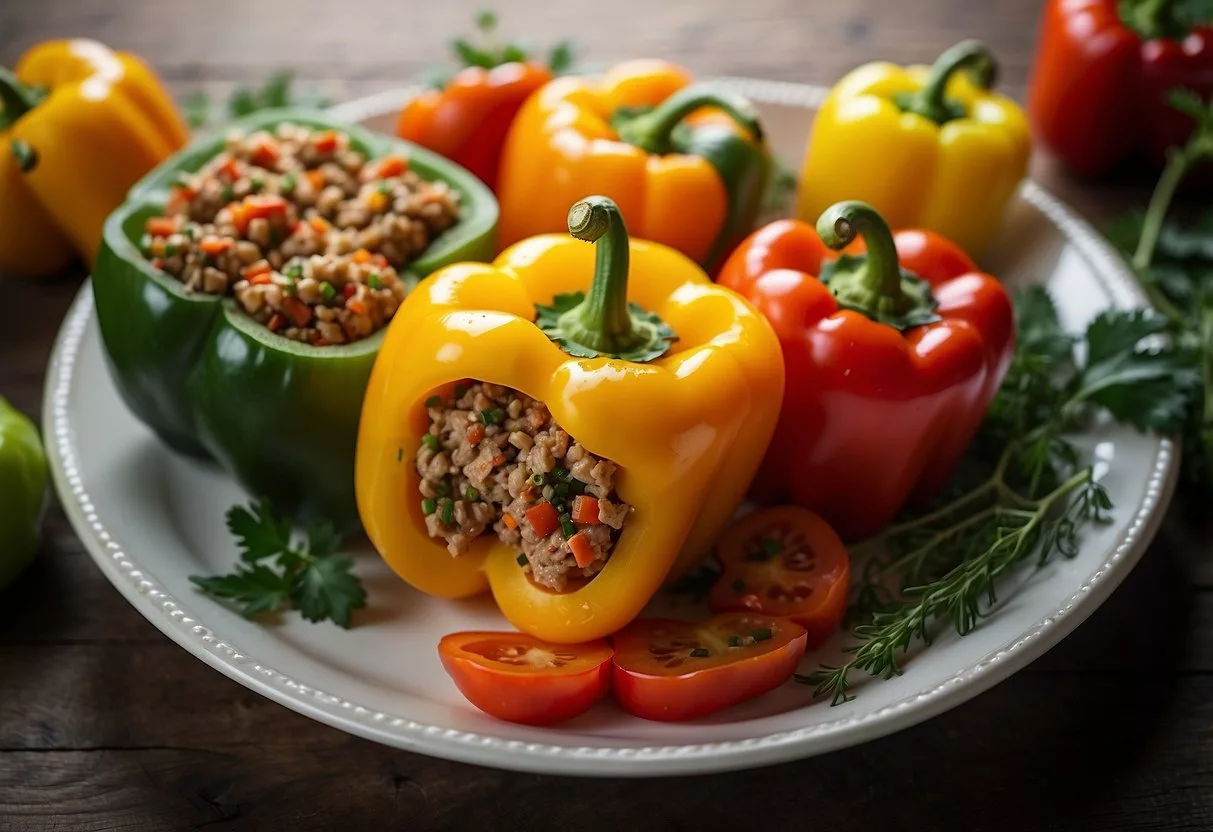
[(277, 572)]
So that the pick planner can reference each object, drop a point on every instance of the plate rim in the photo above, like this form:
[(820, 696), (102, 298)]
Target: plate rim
[(171, 617)]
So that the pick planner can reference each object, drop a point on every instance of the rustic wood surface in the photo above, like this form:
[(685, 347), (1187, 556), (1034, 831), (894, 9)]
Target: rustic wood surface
[(105, 724)]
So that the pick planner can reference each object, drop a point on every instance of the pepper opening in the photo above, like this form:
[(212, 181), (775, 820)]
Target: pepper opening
[(651, 130), (494, 460), (603, 322), (873, 283), (309, 234), (931, 101)]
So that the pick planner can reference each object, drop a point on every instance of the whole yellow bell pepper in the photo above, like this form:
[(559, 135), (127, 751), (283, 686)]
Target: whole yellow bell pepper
[(80, 125), (927, 147), (686, 421)]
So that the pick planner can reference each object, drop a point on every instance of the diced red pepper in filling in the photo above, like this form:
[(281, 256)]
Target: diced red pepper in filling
[(392, 166), (265, 152), (326, 142), (543, 518), (582, 549), (161, 226), (259, 268), (298, 311), (585, 510)]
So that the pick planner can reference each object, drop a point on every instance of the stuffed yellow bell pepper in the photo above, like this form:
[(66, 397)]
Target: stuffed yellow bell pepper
[(80, 125), (927, 147), (569, 450)]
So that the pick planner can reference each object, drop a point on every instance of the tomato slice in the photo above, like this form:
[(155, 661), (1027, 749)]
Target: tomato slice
[(673, 670), (786, 562), (518, 678)]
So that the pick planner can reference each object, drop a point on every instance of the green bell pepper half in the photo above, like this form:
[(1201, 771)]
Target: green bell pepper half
[(23, 488), (211, 382)]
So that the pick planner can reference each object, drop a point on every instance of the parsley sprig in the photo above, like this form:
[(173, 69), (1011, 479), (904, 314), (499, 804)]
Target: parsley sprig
[(1174, 265), (277, 91), (488, 52), (279, 570), (1024, 491)]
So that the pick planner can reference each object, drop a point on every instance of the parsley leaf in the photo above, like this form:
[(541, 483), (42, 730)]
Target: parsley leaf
[(327, 588), (197, 107), (252, 590), (1149, 387), (258, 533), (276, 92), (306, 572)]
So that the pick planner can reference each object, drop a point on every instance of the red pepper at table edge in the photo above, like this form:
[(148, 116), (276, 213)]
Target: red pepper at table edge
[(1098, 93), (889, 371)]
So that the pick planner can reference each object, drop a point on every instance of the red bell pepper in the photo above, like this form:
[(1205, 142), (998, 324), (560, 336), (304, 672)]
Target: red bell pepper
[(1103, 70), (892, 357), (467, 117), (467, 120)]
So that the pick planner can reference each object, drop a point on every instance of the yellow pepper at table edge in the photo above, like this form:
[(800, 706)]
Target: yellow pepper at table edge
[(84, 124), (927, 147), (686, 162), (686, 428)]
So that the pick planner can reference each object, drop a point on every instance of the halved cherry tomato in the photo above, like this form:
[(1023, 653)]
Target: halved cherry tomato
[(786, 562), (519, 678), (673, 670)]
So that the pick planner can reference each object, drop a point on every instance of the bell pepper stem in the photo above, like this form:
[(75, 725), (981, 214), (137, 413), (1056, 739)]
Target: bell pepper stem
[(604, 314), (968, 55), (651, 132), (16, 97), (880, 274), (602, 322)]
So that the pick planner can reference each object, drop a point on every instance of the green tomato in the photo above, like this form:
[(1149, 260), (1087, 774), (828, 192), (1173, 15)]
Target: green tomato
[(23, 493)]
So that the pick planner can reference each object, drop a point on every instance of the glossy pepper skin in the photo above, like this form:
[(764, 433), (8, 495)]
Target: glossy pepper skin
[(685, 176), (927, 147), (467, 120), (280, 416), (83, 125), (687, 429), (23, 486), (874, 415), (1098, 90)]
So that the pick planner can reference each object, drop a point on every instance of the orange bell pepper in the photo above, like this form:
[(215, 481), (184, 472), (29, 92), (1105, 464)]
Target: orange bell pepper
[(686, 164)]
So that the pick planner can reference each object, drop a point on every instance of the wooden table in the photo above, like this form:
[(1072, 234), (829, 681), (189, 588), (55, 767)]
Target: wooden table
[(105, 724)]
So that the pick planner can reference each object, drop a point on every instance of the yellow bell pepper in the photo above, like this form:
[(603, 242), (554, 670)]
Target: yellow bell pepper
[(81, 124), (686, 421), (927, 147)]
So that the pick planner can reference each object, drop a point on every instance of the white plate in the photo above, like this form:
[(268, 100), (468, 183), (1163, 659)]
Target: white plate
[(150, 519)]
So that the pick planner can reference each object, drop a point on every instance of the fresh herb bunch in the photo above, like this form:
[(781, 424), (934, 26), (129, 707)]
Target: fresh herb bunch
[(490, 53), (1174, 19), (1174, 265), (275, 92), (1023, 493), (279, 570)]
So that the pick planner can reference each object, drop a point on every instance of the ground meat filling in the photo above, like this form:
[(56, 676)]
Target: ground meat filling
[(302, 230), (495, 457)]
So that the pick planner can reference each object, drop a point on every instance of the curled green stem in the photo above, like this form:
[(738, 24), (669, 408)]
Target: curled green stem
[(652, 131), (931, 101)]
